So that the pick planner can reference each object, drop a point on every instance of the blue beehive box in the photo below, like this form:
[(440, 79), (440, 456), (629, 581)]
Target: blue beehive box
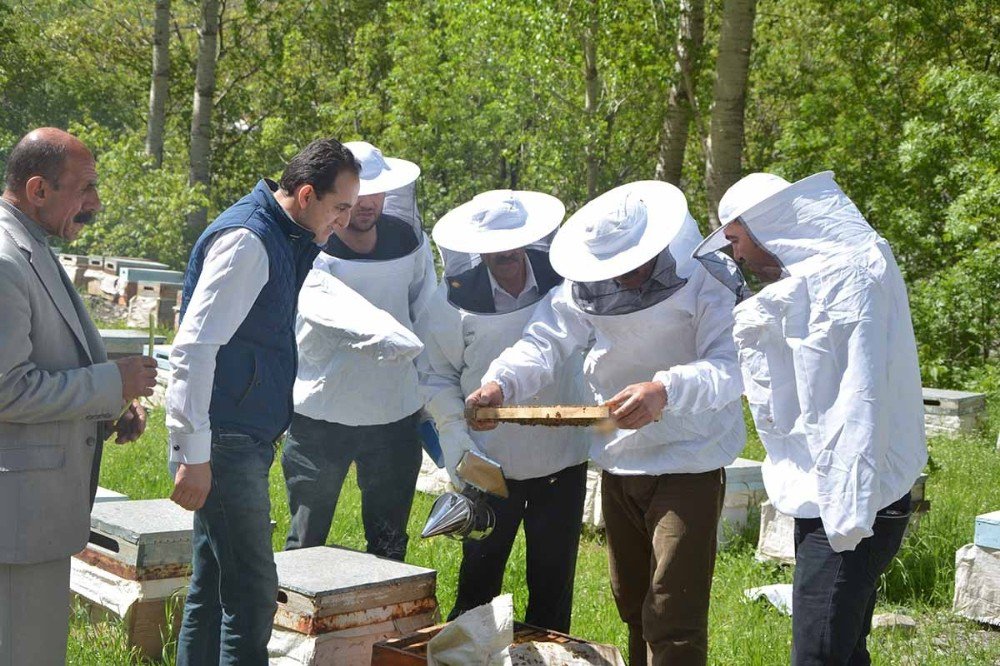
[(988, 530)]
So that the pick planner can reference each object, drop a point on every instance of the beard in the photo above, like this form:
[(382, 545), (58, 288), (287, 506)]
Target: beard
[(363, 224)]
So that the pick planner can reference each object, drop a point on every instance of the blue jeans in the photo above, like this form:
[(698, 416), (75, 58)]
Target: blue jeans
[(833, 594), (315, 461), (234, 585)]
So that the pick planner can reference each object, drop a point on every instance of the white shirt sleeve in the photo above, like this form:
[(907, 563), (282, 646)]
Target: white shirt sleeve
[(713, 381), (555, 331), (440, 371), (233, 274)]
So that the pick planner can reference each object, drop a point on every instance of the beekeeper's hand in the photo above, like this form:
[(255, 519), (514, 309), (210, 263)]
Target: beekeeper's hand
[(191, 485), (489, 395), (636, 405)]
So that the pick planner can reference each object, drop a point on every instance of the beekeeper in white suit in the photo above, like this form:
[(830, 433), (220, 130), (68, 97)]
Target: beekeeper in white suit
[(350, 405), (830, 367), (658, 330), (500, 240)]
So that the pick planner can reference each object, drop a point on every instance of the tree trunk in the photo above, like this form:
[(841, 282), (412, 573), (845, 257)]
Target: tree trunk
[(159, 85), (590, 99), (201, 119), (680, 105), (723, 165)]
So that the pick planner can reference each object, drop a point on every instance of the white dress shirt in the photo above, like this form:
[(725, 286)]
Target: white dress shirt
[(504, 301), (233, 274)]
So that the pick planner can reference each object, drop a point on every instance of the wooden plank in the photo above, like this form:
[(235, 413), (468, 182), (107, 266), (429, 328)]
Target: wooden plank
[(550, 415)]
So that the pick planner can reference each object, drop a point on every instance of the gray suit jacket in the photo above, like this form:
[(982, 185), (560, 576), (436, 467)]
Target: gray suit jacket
[(57, 390)]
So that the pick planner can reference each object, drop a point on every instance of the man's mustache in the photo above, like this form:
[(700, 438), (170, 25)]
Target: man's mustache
[(507, 258), (84, 217)]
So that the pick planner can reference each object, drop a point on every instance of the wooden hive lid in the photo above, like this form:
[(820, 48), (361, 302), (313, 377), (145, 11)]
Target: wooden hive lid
[(140, 539), (945, 401), (142, 521), (328, 572)]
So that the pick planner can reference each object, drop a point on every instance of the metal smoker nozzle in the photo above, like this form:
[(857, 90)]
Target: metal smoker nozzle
[(466, 515)]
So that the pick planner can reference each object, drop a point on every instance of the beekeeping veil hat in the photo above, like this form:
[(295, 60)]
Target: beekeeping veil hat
[(380, 173)]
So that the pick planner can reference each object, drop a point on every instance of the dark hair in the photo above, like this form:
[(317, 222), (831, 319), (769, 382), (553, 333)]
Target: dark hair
[(37, 157), (319, 164)]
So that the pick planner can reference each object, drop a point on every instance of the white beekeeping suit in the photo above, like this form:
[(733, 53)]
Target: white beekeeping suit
[(341, 385), (827, 353), (332, 317), (460, 344), (683, 340)]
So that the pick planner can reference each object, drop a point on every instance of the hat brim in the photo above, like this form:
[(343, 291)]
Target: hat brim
[(666, 210), (713, 242), (454, 231), (399, 174), (778, 195)]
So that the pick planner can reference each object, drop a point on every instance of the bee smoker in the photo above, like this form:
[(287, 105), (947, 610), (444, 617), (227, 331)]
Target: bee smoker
[(466, 515)]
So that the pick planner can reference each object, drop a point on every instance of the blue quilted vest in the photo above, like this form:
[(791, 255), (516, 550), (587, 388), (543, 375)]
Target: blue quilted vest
[(255, 370)]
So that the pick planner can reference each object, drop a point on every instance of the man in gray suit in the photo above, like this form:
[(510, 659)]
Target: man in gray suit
[(59, 395)]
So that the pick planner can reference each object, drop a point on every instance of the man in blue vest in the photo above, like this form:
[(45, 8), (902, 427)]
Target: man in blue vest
[(230, 397)]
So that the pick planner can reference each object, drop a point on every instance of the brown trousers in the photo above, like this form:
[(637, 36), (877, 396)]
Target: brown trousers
[(661, 534)]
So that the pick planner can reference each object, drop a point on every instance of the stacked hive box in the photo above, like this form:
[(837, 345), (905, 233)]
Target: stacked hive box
[(156, 298), (977, 573), (121, 342), (75, 266), (335, 603), (952, 412), (93, 277), (744, 494), (130, 277), (139, 556)]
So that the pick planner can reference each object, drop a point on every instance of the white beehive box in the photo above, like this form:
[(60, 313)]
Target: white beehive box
[(121, 342), (744, 494), (952, 412), (988, 530), (335, 603), (139, 555), (114, 264)]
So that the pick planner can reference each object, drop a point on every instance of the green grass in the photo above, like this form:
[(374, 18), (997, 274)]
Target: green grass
[(962, 484)]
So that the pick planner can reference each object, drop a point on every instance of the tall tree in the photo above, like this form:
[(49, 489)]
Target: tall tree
[(592, 87), (723, 158), (160, 83), (201, 118), (681, 101)]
